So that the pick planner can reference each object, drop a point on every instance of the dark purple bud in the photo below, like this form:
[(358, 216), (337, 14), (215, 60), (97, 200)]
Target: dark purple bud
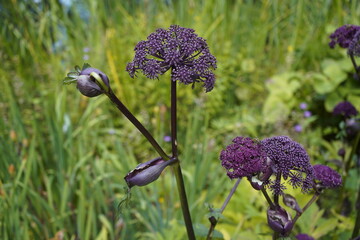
[(302, 236), (87, 86), (352, 127), (147, 172), (341, 152), (291, 202), (90, 70), (91, 82), (280, 221)]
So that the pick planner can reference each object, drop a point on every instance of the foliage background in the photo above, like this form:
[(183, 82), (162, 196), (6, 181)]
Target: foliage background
[(63, 157)]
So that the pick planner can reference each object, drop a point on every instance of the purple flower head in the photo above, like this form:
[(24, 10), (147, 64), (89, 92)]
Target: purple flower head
[(280, 221), (298, 128), (326, 177), (167, 138), (243, 158), (307, 114), (303, 236), (178, 49), (303, 106), (290, 160), (343, 36), (346, 109)]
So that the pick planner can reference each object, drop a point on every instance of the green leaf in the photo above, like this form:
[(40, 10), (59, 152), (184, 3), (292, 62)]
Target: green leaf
[(77, 68), (73, 74), (85, 66), (69, 80)]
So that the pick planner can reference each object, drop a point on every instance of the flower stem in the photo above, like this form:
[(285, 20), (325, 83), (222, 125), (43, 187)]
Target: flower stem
[(353, 150), (137, 124), (355, 232), (177, 168), (212, 219), (183, 201), (354, 64), (312, 200), (268, 199)]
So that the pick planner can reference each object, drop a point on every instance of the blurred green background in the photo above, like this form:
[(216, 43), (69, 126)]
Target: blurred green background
[(63, 156)]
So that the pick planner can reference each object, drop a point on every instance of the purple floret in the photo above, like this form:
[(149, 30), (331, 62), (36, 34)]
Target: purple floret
[(178, 49), (343, 36), (327, 177), (243, 158), (290, 160), (346, 109)]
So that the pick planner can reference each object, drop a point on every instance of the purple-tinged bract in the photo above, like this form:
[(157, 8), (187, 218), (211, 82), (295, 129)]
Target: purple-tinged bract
[(280, 221), (178, 49), (327, 177), (291, 161), (346, 109), (243, 158), (343, 36)]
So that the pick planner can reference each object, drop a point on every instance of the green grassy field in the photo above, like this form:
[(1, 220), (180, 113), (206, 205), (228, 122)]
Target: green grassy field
[(63, 156)]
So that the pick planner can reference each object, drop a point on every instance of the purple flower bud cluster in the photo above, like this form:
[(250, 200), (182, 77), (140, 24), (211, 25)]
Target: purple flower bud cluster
[(326, 177), (178, 49), (243, 158), (344, 36), (291, 161), (346, 109)]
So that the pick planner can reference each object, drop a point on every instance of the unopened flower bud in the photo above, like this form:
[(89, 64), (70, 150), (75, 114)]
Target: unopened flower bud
[(87, 86), (147, 172), (91, 82), (291, 202), (341, 152), (280, 221)]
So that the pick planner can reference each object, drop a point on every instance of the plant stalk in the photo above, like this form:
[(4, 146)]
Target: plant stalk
[(355, 232), (177, 168), (137, 124), (212, 219)]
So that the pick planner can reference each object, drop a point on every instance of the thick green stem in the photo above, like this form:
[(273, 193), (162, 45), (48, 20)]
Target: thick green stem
[(177, 168), (137, 124)]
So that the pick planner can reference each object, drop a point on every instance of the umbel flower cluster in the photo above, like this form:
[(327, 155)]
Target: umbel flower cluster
[(269, 164), (347, 36), (179, 49)]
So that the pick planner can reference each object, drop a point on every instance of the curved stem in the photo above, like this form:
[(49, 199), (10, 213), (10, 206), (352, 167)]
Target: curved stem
[(137, 124), (212, 219), (177, 168)]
